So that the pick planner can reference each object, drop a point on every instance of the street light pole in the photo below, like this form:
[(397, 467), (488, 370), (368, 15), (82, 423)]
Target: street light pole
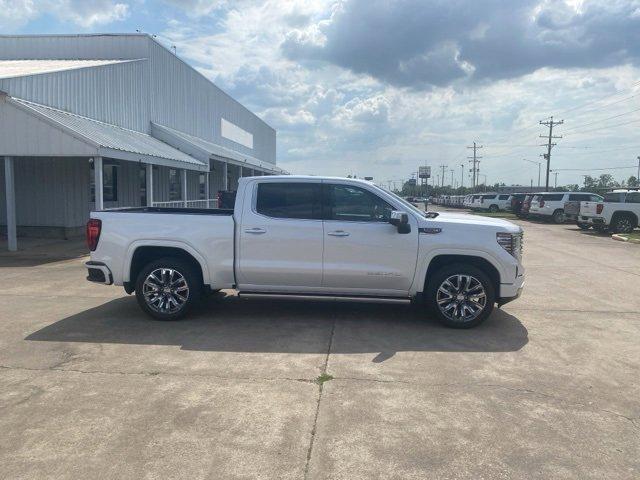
[(535, 163)]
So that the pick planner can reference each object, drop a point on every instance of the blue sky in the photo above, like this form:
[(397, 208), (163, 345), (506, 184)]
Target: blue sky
[(377, 87)]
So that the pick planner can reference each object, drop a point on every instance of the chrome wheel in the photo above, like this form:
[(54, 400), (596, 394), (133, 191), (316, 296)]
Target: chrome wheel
[(623, 225), (165, 290), (461, 298)]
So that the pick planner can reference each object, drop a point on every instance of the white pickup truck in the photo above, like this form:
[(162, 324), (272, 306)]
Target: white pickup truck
[(309, 237), (618, 212)]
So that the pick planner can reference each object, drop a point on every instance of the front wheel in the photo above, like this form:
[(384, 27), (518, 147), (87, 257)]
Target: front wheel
[(168, 288), (493, 208), (461, 296)]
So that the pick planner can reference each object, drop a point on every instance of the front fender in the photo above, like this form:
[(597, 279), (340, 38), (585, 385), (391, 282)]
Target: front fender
[(423, 264)]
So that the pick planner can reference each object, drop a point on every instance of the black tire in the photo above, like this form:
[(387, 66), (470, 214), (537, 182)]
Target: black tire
[(623, 223), (445, 273), (493, 208), (558, 216), (601, 228), (583, 226), (192, 280)]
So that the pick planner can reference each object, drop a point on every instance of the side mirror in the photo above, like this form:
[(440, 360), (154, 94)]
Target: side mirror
[(401, 221)]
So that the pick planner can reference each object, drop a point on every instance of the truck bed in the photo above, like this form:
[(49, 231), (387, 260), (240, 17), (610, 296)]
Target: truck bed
[(189, 211)]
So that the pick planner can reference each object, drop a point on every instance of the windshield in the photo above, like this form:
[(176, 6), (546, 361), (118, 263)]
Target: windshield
[(410, 206)]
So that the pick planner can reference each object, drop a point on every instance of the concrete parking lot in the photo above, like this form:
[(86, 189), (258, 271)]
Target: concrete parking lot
[(548, 387)]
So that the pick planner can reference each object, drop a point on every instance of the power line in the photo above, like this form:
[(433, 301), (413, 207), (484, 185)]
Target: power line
[(608, 126), (591, 169), (592, 102), (603, 120)]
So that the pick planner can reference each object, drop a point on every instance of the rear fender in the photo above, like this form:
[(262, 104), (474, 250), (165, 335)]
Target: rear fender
[(126, 267)]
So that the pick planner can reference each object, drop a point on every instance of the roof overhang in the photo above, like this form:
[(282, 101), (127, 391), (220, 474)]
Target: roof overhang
[(31, 129), (205, 150)]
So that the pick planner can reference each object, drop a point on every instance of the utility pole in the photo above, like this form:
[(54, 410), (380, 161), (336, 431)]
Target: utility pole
[(462, 173), (475, 160), (442, 177), (556, 182), (638, 176), (452, 177), (547, 156)]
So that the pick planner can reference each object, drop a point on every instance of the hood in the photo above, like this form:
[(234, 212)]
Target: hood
[(466, 219)]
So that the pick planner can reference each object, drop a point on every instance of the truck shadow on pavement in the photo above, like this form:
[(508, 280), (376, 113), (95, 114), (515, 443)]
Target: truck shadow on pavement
[(231, 324)]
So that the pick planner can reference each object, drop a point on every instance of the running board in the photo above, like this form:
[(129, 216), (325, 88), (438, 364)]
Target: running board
[(330, 298)]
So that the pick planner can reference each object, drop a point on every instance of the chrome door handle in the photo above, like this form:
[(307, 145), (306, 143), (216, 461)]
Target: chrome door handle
[(339, 233), (256, 231)]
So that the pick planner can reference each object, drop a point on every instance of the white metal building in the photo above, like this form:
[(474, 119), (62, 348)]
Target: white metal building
[(119, 112)]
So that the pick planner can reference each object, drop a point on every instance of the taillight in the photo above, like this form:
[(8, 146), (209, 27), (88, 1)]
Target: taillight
[(541, 203), (93, 233), (599, 208)]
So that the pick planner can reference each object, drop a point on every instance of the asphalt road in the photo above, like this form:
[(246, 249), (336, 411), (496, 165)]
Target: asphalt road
[(547, 388)]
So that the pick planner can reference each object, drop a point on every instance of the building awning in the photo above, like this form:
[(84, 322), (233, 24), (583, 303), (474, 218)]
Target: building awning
[(204, 150), (48, 131)]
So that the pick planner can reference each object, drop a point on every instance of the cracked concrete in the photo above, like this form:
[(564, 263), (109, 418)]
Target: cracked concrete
[(546, 388)]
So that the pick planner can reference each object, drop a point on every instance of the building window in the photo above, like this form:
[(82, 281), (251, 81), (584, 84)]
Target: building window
[(175, 188), (109, 183), (202, 189)]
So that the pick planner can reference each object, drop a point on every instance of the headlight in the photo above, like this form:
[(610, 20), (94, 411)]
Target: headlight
[(511, 242)]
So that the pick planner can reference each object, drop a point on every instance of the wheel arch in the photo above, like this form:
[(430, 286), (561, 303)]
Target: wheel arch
[(141, 254), (478, 259)]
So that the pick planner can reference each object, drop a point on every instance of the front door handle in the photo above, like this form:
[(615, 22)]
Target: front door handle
[(256, 231), (339, 233)]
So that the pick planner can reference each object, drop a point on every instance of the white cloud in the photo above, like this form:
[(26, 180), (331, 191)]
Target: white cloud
[(16, 13)]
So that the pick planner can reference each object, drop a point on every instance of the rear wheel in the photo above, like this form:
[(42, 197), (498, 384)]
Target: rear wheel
[(168, 288), (623, 224), (493, 208), (461, 296), (558, 216)]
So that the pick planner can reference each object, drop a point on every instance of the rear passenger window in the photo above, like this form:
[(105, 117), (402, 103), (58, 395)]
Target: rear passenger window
[(504, 197), (633, 197), (553, 197), (289, 200), (578, 197)]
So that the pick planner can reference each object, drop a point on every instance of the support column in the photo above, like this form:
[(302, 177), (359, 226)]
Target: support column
[(225, 176), (10, 189), (98, 183), (149, 184), (240, 172), (206, 188), (184, 187)]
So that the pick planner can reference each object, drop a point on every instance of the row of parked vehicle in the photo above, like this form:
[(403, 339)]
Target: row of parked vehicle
[(617, 211)]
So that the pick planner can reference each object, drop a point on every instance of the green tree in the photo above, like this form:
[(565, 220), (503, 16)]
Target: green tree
[(633, 182)]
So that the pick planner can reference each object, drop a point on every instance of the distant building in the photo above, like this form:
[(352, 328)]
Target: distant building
[(121, 112)]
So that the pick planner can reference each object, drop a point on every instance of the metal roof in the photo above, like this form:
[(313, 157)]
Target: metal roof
[(113, 141), (21, 68), (204, 149)]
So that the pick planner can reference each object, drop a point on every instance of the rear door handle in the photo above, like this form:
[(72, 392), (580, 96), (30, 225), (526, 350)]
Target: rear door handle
[(256, 231), (339, 233)]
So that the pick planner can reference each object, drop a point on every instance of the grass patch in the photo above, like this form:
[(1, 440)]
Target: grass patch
[(325, 377), (507, 215), (631, 236)]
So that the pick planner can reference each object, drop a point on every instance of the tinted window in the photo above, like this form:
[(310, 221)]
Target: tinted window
[(503, 197), (488, 197), (633, 197), (289, 200), (595, 198), (579, 197), (355, 204), (617, 197), (554, 197)]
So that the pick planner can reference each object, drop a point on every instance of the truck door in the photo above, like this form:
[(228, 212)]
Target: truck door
[(363, 252), (280, 243)]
